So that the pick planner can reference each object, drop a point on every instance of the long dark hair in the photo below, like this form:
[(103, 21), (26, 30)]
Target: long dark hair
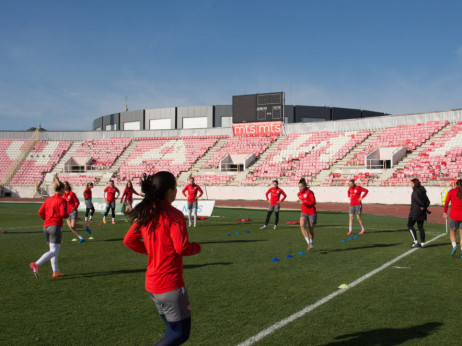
[(67, 186), (154, 187), (303, 182), (416, 183), (459, 186)]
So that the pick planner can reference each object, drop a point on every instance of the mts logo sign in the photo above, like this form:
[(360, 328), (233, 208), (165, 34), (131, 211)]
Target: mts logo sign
[(269, 128)]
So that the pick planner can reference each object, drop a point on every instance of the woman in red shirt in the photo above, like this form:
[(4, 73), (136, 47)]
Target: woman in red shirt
[(455, 216), (160, 232), (52, 211), (307, 202), (72, 209), (87, 195), (128, 194)]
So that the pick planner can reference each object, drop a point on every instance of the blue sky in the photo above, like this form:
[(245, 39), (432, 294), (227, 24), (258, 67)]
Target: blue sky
[(65, 63)]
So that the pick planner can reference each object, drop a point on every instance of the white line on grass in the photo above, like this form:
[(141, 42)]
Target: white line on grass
[(324, 300)]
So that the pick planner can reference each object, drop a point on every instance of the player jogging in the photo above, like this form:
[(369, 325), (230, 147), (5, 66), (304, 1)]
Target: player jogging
[(87, 195), (418, 212), (72, 209), (110, 197), (356, 194), (454, 197), (160, 232), (274, 203), (193, 191), (308, 216), (52, 211), (128, 195)]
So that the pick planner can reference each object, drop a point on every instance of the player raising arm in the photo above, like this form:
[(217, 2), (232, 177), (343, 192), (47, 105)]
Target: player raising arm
[(308, 216), (356, 194), (160, 232), (274, 201)]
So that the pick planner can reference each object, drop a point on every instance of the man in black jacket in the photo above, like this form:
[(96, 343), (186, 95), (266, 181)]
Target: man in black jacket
[(418, 212)]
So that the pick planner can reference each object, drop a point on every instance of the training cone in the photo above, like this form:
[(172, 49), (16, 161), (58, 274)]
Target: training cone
[(301, 253), (356, 236), (289, 256), (238, 233), (275, 259), (75, 239), (4, 231), (91, 238), (228, 235), (247, 231), (350, 238), (344, 286), (99, 224), (344, 241)]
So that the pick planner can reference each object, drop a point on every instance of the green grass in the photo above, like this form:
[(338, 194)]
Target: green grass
[(235, 289)]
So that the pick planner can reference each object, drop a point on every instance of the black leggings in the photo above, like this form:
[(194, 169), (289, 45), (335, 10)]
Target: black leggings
[(92, 209), (268, 215), (107, 212), (410, 226), (176, 333)]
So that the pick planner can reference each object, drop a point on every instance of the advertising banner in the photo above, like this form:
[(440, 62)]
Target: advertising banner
[(204, 207), (266, 128)]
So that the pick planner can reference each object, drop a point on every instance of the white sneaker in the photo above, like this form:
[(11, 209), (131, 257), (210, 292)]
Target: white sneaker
[(275, 227), (189, 224), (264, 227)]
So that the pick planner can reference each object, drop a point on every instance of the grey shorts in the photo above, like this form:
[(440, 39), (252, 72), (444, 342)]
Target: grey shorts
[(53, 234), (89, 204), (192, 205), (274, 208), (356, 209), (173, 304), (312, 219), (453, 224), (110, 205), (73, 216), (128, 202)]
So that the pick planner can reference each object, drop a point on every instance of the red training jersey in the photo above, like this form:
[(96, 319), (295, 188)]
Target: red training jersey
[(110, 192), (128, 194), (53, 210), (192, 190), (456, 205), (308, 201), (165, 242), (72, 201), (275, 194), (87, 193), (354, 194)]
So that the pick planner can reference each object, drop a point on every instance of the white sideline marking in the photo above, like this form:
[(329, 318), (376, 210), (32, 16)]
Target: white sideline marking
[(311, 307)]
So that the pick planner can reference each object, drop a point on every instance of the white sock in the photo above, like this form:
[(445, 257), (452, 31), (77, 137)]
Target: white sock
[(113, 219), (362, 228), (454, 244), (307, 240), (80, 237), (195, 219), (350, 229), (48, 255), (86, 218), (422, 243), (54, 260)]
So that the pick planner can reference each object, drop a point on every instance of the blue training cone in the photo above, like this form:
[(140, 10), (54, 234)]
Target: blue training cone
[(350, 238), (228, 235), (238, 233), (247, 231), (301, 253), (289, 256), (275, 259), (344, 241), (356, 236)]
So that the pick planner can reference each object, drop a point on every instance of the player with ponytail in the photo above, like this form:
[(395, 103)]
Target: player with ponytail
[(454, 197), (52, 211), (159, 231), (308, 216)]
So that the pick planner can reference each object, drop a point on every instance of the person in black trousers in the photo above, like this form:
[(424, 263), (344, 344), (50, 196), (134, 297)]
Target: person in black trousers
[(418, 212)]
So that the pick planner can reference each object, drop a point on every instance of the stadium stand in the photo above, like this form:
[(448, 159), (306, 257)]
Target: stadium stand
[(41, 159), (103, 152), (10, 150), (76, 179), (165, 153)]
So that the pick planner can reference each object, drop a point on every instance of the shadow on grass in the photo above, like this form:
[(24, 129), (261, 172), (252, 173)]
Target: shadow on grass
[(372, 246), (390, 231), (387, 336), (192, 266), (231, 241), (115, 239)]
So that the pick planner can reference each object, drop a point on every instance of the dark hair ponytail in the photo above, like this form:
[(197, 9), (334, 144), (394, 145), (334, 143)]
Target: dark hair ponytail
[(459, 186), (302, 181), (154, 187), (417, 183)]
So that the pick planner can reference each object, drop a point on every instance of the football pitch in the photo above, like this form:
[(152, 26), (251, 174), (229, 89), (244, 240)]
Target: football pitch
[(236, 289)]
